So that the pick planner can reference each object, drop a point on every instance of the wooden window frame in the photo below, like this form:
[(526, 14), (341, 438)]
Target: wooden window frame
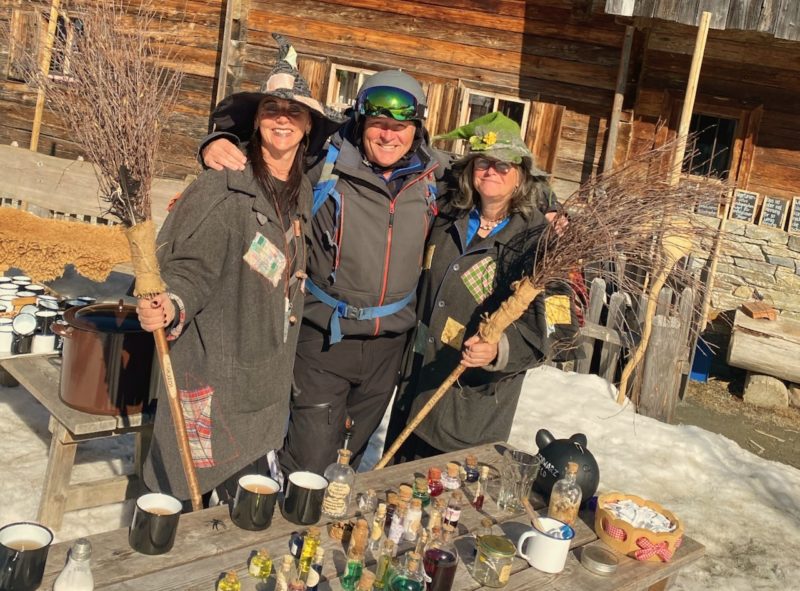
[(463, 110), (19, 44), (333, 84)]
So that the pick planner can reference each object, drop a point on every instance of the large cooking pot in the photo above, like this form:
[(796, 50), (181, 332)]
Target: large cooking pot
[(107, 360)]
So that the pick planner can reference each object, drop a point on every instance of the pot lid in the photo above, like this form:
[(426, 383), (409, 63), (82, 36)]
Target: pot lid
[(106, 318)]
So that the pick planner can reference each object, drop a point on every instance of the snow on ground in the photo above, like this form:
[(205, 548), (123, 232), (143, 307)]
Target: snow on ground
[(744, 509)]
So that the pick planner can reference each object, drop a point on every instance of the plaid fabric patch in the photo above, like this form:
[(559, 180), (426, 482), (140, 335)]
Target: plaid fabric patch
[(197, 417), (479, 279)]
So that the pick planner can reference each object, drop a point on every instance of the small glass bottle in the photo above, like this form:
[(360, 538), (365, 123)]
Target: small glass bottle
[(383, 562), (315, 574), (413, 521), (285, 573), (441, 560), (471, 472), (229, 583), (296, 585), (565, 498), (422, 541), (421, 491), (376, 532), (451, 480), (481, 488), (339, 494), (353, 569), (366, 581), (77, 573), (391, 507), (409, 576), (260, 565), (396, 528), (435, 486), (453, 512), (310, 545)]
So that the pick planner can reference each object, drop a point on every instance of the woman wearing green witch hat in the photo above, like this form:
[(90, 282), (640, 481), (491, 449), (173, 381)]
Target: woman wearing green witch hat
[(482, 241)]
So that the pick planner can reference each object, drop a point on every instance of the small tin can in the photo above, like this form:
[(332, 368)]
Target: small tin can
[(493, 561), (599, 560)]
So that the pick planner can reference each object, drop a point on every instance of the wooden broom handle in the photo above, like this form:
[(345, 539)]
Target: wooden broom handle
[(177, 418), (490, 331)]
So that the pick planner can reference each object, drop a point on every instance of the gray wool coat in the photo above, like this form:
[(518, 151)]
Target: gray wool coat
[(460, 283), (232, 366)]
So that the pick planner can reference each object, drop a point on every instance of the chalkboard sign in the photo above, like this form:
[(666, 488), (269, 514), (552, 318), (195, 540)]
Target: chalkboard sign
[(709, 208), (773, 212), (743, 207), (794, 216)]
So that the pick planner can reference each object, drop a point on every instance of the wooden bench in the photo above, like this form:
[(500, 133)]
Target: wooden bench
[(40, 375), (208, 544)]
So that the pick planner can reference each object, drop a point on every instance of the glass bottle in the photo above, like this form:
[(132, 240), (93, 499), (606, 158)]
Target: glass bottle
[(310, 545), (383, 562), (366, 581), (453, 512), (409, 576), (565, 498), (353, 569), (285, 574), (391, 507), (296, 585), (229, 583), (260, 565), (396, 528), (315, 574), (422, 541), (77, 573), (421, 491), (471, 472), (481, 488), (441, 560), (376, 532), (413, 521), (435, 486), (405, 493), (451, 480), (341, 478)]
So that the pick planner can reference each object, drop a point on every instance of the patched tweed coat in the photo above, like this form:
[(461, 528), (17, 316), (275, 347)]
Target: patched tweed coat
[(232, 366), (460, 283)]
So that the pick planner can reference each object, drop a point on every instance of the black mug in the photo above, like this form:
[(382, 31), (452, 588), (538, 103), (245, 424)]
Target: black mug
[(23, 554), (302, 500), (155, 522), (44, 321), (255, 502)]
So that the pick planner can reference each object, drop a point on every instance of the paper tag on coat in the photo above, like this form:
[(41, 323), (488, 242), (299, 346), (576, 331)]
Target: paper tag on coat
[(265, 258), (426, 265), (453, 333), (557, 311)]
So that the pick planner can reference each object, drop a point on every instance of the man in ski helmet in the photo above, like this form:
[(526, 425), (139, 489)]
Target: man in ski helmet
[(375, 197)]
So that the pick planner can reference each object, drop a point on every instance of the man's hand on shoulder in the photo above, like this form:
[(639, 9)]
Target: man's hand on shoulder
[(221, 154)]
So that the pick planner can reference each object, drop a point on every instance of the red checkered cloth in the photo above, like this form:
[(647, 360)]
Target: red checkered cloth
[(646, 548), (197, 418)]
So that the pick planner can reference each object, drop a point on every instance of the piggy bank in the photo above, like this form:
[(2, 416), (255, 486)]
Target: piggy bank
[(555, 454)]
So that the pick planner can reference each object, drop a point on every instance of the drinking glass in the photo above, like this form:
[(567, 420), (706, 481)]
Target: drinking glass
[(517, 471)]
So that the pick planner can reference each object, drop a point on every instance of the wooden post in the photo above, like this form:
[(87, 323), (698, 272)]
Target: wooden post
[(691, 93), (660, 381), (222, 72), (619, 96), (44, 67)]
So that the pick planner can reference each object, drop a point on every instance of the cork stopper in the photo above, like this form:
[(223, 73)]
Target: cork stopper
[(572, 467), (448, 531), (405, 492), (381, 512), (344, 456), (231, 577), (412, 563), (421, 483), (313, 531), (391, 498), (484, 471), (366, 581), (360, 535), (440, 503), (452, 469), (288, 562), (472, 460), (319, 555), (456, 496), (434, 474), (263, 553), (416, 504), (486, 522)]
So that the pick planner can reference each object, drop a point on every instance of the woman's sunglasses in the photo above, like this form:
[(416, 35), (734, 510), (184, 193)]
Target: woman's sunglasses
[(273, 110), (499, 166)]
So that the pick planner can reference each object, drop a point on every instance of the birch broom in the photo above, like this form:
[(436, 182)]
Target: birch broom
[(630, 217), (115, 100)]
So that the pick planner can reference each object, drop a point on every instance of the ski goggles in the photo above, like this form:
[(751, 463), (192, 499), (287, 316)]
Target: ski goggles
[(387, 101)]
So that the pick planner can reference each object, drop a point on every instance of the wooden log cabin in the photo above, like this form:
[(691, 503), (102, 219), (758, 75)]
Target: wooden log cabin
[(550, 64)]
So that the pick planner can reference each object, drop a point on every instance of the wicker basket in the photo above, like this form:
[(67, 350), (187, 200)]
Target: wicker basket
[(641, 544)]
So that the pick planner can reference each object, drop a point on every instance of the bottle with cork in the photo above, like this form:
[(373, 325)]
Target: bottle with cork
[(230, 582), (409, 576), (376, 532), (315, 574), (451, 479), (366, 581), (260, 565), (435, 486), (355, 555), (383, 563), (565, 498), (341, 477), (310, 545), (285, 574), (453, 512), (413, 521), (421, 491), (471, 472), (480, 488)]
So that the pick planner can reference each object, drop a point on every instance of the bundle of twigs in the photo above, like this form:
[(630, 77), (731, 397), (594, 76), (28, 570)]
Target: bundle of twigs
[(115, 100), (631, 217)]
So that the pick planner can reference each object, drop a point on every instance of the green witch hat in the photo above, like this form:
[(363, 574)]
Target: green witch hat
[(495, 136)]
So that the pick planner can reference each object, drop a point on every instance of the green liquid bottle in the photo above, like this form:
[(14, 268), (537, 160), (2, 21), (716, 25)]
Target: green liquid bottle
[(409, 577), (229, 583), (352, 574), (383, 563)]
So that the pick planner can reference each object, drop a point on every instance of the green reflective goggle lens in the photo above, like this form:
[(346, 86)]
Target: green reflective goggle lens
[(389, 102)]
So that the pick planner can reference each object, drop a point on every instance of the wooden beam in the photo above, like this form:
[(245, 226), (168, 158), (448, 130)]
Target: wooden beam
[(222, 71), (619, 97), (691, 93), (44, 67)]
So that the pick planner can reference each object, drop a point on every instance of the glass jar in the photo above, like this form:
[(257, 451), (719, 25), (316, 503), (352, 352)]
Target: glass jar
[(493, 563), (341, 478)]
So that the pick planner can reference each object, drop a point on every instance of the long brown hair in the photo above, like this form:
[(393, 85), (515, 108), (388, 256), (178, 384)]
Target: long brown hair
[(287, 199)]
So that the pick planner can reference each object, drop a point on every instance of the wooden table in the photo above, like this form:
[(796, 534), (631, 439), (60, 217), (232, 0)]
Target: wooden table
[(208, 544), (40, 375)]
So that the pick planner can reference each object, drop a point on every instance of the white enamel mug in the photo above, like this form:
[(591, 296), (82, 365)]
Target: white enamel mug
[(547, 550)]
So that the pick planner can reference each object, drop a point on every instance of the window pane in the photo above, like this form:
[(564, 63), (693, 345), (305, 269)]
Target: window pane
[(512, 110), (348, 87), (710, 153), (479, 106)]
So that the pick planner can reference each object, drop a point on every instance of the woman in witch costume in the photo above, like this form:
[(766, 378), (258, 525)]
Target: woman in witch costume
[(484, 238), (233, 252)]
